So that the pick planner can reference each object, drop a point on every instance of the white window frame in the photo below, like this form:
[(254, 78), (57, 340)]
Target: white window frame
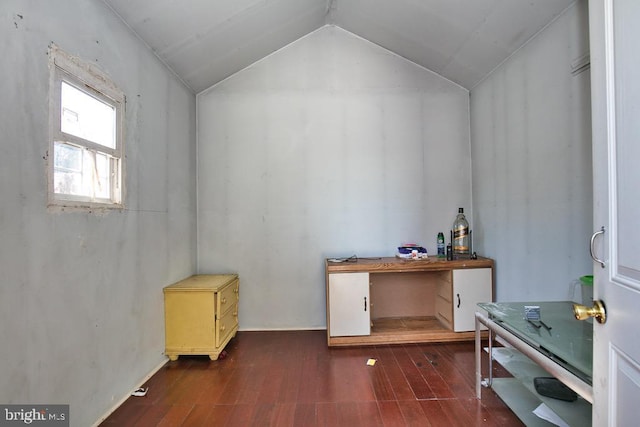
[(87, 78)]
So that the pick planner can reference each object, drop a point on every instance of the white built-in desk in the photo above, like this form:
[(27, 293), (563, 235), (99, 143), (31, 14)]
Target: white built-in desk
[(393, 300)]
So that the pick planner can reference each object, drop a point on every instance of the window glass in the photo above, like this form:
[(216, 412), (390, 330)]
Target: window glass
[(79, 172), (87, 117), (67, 169)]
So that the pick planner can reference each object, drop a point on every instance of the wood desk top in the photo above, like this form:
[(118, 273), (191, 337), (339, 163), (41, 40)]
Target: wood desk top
[(400, 265)]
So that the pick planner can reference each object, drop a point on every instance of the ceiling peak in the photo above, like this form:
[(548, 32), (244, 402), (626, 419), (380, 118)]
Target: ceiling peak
[(329, 16)]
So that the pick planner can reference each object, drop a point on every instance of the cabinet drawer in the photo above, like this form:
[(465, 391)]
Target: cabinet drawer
[(228, 297), (444, 312), (227, 324), (445, 291)]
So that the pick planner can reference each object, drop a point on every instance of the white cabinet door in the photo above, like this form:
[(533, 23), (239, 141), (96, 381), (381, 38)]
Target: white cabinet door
[(349, 304), (470, 287)]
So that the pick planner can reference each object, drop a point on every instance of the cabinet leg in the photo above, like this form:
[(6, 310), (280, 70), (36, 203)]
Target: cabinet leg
[(214, 356), (173, 357)]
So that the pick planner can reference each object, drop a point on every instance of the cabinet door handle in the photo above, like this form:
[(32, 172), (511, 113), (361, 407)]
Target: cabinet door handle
[(458, 295), (224, 300), (365, 303)]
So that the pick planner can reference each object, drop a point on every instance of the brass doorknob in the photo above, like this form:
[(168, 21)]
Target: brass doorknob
[(583, 312)]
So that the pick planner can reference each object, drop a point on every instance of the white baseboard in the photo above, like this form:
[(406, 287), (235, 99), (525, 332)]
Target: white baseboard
[(128, 395)]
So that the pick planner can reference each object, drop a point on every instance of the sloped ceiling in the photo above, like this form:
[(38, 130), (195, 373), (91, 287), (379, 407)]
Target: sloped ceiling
[(205, 41)]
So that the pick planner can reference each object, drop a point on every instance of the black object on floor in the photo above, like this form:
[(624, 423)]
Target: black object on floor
[(552, 387)]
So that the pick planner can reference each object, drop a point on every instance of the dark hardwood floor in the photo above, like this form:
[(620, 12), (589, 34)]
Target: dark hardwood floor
[(291, 378)]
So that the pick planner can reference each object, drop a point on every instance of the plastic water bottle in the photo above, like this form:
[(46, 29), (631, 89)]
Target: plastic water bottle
[(460, 234), (440, 245)]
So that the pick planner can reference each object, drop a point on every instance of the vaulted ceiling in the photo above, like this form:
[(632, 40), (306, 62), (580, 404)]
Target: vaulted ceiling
[(205, 41)]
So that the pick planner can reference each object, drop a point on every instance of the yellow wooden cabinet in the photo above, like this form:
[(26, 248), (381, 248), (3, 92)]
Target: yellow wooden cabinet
[(201, 314)]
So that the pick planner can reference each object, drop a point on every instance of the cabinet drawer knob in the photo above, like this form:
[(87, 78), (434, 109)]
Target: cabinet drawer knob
[(236, 290), (224, 300)]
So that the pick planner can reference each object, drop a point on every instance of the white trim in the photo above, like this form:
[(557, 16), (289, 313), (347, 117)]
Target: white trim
[(79, 68), (610, 109)]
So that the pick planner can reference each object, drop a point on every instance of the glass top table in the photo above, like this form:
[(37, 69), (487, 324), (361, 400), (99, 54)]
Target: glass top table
[(559, 337), (556, 345)]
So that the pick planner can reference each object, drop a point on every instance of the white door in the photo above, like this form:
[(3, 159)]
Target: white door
[(615, 75), (349, 304), (470, 286)]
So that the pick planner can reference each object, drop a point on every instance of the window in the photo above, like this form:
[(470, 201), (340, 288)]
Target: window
[(86, 150)]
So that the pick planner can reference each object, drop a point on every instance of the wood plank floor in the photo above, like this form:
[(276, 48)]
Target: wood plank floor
[(291, 378)]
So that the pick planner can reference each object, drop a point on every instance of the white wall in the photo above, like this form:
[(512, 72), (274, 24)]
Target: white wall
[(330, 147), (531, 151), (81, 314)]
